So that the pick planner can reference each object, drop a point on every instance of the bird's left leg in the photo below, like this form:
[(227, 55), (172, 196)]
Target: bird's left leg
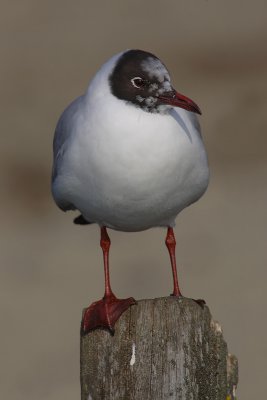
[(104, 313), (171, 244)]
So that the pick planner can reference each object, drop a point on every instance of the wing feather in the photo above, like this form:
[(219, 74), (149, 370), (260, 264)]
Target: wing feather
[(63, 132)]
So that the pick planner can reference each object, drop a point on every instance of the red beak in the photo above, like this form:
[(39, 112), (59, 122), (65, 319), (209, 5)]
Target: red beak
[(178, 100)]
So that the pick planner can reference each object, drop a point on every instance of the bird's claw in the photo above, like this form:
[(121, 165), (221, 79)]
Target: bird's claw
[(105, 313), (200, 302)]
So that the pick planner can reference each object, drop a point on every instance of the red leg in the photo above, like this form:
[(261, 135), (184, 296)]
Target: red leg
[(104, 313), (105, 245), (171, 243)]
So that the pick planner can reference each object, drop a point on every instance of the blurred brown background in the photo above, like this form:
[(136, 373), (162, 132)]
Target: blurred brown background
[(50, 269)]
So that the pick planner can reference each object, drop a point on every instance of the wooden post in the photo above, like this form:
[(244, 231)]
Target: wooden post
[(166, 348)]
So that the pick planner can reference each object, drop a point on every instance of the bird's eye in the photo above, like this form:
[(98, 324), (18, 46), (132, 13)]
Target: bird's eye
[(138, 82)]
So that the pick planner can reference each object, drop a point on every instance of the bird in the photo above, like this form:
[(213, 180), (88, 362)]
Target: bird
[(128, 156)]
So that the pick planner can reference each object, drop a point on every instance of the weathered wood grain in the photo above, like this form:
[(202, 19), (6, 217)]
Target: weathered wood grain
[(166, 348)]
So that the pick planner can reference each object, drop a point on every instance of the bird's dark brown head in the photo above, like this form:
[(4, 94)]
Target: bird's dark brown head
[(141, 79)]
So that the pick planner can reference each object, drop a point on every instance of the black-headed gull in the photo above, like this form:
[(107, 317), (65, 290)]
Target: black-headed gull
[(128, 154)]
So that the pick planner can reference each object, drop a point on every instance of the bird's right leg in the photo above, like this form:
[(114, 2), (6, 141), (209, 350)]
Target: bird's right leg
[(104, 313)]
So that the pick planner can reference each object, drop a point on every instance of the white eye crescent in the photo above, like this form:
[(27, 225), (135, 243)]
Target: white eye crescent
[(137, 82)]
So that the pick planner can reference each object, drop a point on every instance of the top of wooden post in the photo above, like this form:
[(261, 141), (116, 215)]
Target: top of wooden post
[(166, 348)]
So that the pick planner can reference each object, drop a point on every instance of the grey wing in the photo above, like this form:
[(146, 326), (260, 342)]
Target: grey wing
[(196, 123), (62, 135)]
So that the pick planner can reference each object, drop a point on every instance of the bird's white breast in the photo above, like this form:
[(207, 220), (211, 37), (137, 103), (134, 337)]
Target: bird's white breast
[(131, 170)]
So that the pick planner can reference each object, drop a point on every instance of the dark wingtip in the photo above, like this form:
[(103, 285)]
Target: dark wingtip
[(80, 220)]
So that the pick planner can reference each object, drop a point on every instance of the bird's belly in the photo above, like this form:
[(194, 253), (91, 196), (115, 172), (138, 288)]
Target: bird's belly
[(141, 183)]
